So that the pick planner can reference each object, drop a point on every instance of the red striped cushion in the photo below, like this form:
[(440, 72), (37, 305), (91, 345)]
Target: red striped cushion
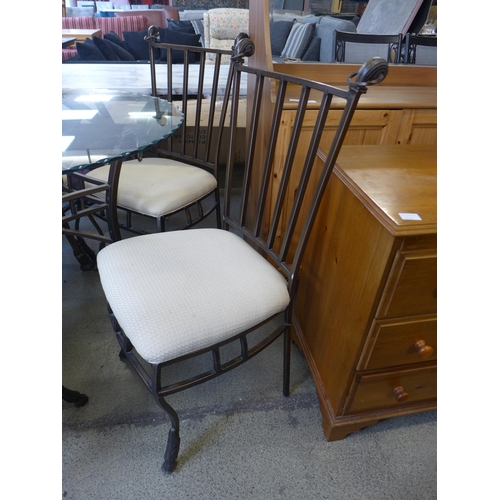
[(83, 23), (68, 54), (121, 24)]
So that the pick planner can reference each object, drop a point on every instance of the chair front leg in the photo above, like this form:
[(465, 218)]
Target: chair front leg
[(174, 440), (287, 344), (172, 451)]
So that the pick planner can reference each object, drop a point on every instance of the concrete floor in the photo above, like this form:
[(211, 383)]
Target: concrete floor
[(240, 438)]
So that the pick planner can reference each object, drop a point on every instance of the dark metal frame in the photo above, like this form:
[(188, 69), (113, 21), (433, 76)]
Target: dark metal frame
[(394, 44), (252, 228), (79, 202), (411, 44)]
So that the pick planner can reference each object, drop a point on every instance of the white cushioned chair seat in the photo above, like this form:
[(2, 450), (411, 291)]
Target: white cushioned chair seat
[(159, 186), (174, 293)]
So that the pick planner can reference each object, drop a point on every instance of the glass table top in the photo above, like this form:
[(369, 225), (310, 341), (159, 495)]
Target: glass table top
[(101, 126)]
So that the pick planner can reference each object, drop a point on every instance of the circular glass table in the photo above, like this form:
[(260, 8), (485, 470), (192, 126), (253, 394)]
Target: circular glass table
[(104, 127)]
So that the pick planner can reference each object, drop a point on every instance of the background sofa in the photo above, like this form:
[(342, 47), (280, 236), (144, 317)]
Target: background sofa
[(317, 42), (107, 25)]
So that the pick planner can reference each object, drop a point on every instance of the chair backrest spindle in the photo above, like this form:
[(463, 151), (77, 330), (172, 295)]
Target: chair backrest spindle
[(199, 85), (280, 190)]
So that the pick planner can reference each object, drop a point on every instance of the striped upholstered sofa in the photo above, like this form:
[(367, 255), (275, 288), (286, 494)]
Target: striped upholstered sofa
[(105, 24)]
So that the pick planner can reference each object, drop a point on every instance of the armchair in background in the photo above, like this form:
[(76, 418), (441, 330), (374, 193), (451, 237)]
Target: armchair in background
[(222, 26)]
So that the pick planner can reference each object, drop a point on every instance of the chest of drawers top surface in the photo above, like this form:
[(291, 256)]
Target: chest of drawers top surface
[(398, 184)]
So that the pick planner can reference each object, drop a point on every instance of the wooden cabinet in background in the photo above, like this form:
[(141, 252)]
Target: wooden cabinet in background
[(366, 315), (385, 115)]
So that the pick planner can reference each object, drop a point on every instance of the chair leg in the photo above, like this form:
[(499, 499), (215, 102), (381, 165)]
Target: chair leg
[(286, 360), (82, 252), (172, 451), (160, 224), (218, 211), (75, 397), (153, 382), (126, 345), (173, 441)]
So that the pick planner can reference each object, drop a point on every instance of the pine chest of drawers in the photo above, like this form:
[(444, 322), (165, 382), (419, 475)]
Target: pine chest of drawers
[(366, 316)]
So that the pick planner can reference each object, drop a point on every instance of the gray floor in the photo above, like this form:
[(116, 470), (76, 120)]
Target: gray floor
[(240, 438)]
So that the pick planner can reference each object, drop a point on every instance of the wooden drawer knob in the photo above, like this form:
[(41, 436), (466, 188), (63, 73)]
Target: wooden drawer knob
[(423, 349), (400, 393)]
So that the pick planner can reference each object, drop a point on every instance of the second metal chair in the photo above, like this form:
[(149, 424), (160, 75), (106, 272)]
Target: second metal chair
[(179, 184)]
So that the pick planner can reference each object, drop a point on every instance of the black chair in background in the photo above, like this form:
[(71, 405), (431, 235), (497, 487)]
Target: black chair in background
[(412, 42), (223, 295), (356, 47)]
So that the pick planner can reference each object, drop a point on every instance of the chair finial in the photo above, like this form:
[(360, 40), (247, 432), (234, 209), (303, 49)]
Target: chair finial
[(153, 34), (372, 72), (243, 47)]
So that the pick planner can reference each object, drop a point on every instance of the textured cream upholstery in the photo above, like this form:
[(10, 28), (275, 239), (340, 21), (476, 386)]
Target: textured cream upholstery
[(174, 293), (159, 186)]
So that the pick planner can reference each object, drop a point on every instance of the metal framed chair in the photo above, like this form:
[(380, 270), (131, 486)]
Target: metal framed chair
[(413, 56), (182, 176), (202, 293), (357, 47)]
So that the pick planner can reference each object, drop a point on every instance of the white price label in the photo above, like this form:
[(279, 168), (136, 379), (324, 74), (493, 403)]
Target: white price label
[(407, 216)]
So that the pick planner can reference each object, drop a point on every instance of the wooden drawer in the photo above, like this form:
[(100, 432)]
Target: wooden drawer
[(411, 288), (389, 390), (400, 341)]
